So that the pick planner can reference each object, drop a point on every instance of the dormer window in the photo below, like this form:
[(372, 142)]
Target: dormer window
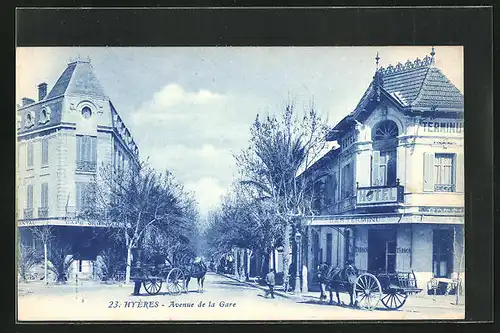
[(44, 115), (86, 112), (30, 119)]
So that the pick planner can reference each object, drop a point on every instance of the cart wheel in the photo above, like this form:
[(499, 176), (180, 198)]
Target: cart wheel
[(394, 299), (152, 286), (175, 281), (367, 291)]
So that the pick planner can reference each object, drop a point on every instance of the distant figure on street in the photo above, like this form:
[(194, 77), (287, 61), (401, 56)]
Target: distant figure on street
[(270, 283)]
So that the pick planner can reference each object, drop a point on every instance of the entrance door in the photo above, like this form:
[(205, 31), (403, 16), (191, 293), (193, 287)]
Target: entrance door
[(381, 250), (442, 263)]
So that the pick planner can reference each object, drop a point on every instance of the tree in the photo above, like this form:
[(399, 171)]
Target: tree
[(45, 235), (132, 202), (60, 261), (280, 147), (27, 258), (242, 222)]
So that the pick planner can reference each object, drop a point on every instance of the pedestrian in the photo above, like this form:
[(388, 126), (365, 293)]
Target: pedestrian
[(270, 283)]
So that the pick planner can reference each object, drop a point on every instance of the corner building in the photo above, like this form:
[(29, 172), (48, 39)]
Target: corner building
[(391, 197), (62, 140)]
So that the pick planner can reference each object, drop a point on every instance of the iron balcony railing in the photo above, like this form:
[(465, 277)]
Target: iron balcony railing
[(43, 212), (86, 166), (444, 188), (28, 213)]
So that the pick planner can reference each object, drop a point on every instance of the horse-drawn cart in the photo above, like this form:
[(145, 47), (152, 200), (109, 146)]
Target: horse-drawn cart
[(154, 272), (367, 289), (392, 289)]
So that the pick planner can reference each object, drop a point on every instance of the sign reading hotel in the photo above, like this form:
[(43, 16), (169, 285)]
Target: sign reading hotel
[(445, 126), (378, 195)]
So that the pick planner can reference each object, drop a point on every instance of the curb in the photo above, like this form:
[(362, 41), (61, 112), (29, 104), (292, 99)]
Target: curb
[(279, 293)]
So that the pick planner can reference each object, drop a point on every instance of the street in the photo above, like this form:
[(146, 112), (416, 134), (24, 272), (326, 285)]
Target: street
[(223, 299)]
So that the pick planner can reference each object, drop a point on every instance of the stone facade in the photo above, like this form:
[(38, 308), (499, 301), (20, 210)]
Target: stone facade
[(47, 151), (405, 184)]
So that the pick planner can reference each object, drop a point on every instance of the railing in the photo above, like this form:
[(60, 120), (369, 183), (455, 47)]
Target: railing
[(444, 188), (28, 213), (43, 212), (86, 166)]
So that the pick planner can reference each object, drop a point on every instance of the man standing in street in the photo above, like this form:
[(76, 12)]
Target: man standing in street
[(270, 283)]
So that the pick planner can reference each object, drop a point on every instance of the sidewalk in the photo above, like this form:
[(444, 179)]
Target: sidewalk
[(413, 302)]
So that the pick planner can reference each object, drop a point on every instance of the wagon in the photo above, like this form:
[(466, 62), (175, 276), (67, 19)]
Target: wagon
[(156, 271), (392, 289)]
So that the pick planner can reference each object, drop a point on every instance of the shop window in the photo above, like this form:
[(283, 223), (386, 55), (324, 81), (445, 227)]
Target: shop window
[(442, 261)]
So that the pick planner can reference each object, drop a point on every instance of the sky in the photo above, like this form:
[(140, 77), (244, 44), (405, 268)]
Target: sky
[(190, 109)]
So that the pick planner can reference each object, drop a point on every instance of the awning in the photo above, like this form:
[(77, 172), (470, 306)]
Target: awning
[(370, 219)]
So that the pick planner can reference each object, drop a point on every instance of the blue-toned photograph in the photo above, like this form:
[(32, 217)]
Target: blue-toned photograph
[(240, 183)]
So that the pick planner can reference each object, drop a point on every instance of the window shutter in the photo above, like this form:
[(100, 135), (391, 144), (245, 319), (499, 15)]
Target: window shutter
[(29, 196), (375, 167), (428, 172), (78, 196), (459, 172), (45, 191), (94, 150), (78, 148)]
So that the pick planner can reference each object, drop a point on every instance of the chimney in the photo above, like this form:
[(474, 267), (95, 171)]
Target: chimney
[(27, 101), (42, 91)]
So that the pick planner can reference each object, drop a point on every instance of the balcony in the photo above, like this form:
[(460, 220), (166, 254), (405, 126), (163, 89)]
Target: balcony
[(380, 195), (28, 213), (86, 166), (444, 187), (43, 212)]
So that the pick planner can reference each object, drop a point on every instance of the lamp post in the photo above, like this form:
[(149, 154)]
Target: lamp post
[(298, 238)]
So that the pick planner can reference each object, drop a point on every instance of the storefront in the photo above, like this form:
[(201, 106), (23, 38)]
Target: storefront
[(429, 245)]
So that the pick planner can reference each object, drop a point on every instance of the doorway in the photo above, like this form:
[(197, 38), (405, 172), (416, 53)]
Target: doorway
[(442, 263), (382, 250)]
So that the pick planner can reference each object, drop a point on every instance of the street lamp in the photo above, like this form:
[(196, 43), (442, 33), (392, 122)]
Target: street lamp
[(298, 237)]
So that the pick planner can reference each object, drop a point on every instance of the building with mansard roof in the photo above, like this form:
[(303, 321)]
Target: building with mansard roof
[(390, 197), (62, 138)]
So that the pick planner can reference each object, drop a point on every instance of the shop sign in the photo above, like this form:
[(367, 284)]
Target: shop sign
[(379, 195), (361, 249), (442, 126), (441, 210)]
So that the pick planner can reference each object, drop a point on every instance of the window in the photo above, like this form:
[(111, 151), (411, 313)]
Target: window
[(82, 196), (347, 181), (383, 171), (444, 173), (44, 115), (30, 119), (43, 210), (440, 174), (28, 211), (29, 148), (45, 151), (44, 195), (384, 168), (86, 153), (442, 263), (86, 112), (29, 196)]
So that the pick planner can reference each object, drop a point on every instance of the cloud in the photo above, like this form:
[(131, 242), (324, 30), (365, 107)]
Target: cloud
[(207, 191), (173, 102)]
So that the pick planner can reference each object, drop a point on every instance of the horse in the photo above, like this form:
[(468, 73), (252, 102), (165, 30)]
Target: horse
[(195, 269), (336, 278)]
